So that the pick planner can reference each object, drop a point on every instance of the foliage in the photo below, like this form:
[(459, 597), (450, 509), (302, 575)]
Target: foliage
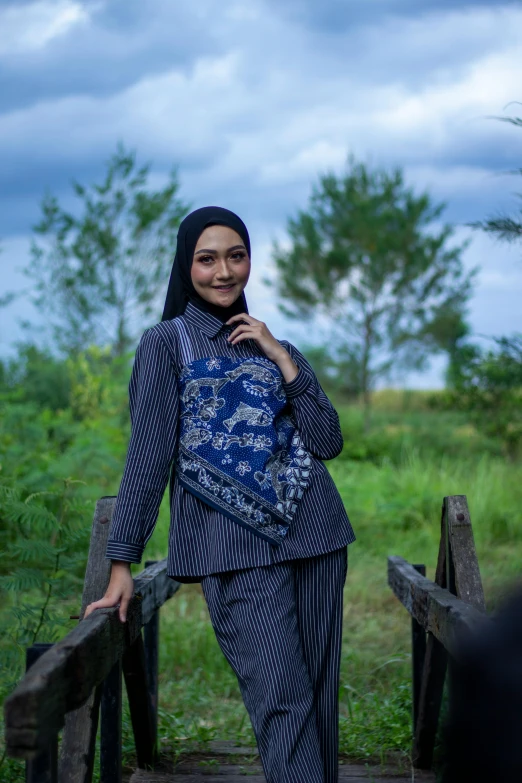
[(43, 539), (97, 271), (488, 388), (392, 479), (36, 376), (506, 228), (363, 255)]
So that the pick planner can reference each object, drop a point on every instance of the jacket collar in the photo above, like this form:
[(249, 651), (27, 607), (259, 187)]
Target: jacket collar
[(205, 322)]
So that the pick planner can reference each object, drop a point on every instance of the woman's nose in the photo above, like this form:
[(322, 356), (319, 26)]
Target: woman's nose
[(223, 271)]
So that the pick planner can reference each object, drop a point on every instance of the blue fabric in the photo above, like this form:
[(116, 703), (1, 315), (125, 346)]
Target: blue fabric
[(202, 540), (239, 449)]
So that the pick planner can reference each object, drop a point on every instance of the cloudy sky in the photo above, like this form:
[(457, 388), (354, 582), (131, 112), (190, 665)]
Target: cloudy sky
[(252, 100)]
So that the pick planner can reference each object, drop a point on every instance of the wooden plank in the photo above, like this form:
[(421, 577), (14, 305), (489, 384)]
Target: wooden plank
[(228, 747), (438, 611), (467, 573), (81, 725), (64, 677), (239, 774), (141, 708)]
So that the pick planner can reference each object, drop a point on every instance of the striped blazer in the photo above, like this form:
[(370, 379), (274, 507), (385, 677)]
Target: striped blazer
[(202, 540)]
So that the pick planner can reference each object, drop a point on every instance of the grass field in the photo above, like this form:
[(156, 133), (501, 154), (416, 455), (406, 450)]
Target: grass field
[(392, 481), (394, 502)]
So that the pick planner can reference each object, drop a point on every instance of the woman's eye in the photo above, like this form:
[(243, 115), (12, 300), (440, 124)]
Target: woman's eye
[(205, 259), (238, 256)]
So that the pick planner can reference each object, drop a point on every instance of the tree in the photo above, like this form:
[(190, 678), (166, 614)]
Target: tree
[(489, 389), (507, 228), (99, 270), (489, 384), (363, 256)]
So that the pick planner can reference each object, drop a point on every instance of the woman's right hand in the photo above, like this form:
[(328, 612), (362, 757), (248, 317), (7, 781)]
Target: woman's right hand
[(119, 591)]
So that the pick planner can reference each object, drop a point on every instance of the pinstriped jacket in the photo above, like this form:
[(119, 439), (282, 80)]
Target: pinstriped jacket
[(202, 540)]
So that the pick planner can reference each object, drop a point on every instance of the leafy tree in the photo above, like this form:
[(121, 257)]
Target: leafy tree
[(363, 255), (448, 332), (35, 375), (98, 270), (43, 539), (489, 384), (489, 389), (337, 367), (507, 228)]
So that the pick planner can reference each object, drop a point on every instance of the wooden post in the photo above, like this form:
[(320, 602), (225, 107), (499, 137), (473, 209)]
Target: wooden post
[(433, 677), (464, 569), (44, 767), (418, 654), (151, 643), (458, 572), (142, 714), (79, 734), (110, 728)]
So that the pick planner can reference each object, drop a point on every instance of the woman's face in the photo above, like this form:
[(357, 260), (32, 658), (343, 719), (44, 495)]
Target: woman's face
[(220, 266)]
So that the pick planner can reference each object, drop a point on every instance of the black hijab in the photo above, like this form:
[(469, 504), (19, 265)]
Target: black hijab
[(181, 290)]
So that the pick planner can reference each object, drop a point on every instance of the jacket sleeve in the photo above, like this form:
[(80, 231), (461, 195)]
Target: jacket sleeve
[(154, 405), (316, 418)]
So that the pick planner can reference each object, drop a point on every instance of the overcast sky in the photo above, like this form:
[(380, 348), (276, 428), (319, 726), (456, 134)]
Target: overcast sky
[(253, 100)]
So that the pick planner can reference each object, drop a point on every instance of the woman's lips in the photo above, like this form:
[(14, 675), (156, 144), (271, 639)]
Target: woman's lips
[(223, 287)]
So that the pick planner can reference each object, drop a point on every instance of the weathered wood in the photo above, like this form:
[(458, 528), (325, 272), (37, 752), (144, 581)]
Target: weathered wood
[(352, 773), (151, 651), (418, 654), (432, 688), (226, 761), (151, 646), (110, 728), (81, 725), (44, 767), (439, 612), (433, 676), (141, 709), (64, 677), (468, 583)]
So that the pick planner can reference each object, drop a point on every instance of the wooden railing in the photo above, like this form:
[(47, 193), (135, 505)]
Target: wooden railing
[(70, 683), (442, 612), (79, 677)]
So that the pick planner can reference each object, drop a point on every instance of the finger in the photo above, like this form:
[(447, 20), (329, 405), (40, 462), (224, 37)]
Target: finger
[(244, 336), (238, 330), (103, 603), (123, 609), (241, 317)]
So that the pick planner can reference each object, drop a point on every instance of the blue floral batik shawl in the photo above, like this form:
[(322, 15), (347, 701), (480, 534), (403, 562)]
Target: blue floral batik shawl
[(239, 449)]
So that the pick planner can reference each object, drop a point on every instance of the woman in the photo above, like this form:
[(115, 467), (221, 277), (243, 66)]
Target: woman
[(241, 424)]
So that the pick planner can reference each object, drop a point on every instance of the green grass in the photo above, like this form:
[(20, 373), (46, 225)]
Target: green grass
[(395, 509), (392, 481)]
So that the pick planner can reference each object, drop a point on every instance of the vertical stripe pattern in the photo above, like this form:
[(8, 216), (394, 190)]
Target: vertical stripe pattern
[(203, 540), (279, 627)]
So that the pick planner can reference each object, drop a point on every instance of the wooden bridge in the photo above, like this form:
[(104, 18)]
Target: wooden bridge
[(77, 683)]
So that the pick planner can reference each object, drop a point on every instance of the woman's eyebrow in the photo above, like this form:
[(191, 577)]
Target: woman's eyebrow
[(214, 252)]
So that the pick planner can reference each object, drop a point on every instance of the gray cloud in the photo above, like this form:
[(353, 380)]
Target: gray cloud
[(338, 16), (253, 106), (120, 42)]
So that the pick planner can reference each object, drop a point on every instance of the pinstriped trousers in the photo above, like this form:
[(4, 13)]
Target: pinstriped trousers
[(279, 626)]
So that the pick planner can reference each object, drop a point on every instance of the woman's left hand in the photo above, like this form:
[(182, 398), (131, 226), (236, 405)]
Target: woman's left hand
[(252, 329), (256, 330)]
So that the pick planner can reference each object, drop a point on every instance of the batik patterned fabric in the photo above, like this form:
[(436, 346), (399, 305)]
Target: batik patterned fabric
[(239, 449)]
